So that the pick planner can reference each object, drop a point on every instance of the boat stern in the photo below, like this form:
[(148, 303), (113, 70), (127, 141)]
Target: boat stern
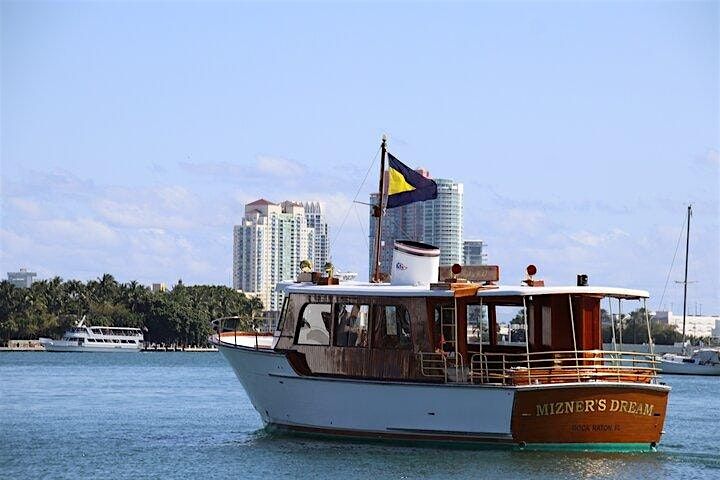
[(604, 415)]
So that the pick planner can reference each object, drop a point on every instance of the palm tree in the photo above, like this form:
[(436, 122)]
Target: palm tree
[(134, 295), (107, 288), (76, 298)]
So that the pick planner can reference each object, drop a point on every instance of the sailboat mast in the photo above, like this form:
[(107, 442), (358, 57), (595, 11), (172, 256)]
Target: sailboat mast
[(685, 282), (378, 213)]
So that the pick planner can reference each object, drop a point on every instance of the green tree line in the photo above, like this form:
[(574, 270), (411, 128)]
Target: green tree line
[(181, 316)]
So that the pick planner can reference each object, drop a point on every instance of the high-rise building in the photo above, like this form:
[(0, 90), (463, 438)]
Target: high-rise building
[(473, 252), (316, 221), (21, 279), (270, 243), (438, 222)]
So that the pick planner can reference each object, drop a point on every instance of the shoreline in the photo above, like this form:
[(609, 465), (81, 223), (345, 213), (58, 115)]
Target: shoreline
[(149, 349)]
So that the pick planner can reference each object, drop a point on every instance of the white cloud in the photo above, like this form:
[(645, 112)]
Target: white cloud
[(596, 239), (81, 231), (26, 206), (280, 167), (264, 169)]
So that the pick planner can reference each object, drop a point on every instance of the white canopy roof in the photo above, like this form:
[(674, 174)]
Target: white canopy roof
[(387, 290)]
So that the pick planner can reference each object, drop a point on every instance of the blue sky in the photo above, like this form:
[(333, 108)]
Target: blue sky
[(133, 133)]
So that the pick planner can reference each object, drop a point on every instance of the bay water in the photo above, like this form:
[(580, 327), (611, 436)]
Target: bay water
[(185, 415)]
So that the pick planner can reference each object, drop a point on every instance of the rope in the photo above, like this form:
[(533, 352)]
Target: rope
[(362, 227), (337, 235), (667, 280)]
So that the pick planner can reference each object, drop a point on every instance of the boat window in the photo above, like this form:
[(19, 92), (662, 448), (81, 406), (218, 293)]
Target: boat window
[(314, 324), (510, 325), (478, 327), (351, 325), (283, 314), (394, 322)]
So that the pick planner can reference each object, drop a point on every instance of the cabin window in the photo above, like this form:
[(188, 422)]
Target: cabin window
[(351, 325), (283, 314), (478, 328), (314, 324), (394, 325), (511, 325)]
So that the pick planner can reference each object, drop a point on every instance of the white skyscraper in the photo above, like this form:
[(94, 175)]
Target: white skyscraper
[(316, 221), (473, 252), (438, 222), (270, 243)]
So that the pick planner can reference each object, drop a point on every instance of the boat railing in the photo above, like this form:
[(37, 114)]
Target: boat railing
[(235, 331), (562, 367), (449, 368)]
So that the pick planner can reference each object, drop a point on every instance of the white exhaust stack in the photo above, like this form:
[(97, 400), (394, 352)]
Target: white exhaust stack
[(414, 263)]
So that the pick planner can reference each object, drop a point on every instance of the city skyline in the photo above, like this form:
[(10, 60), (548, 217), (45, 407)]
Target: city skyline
[(134, 134), (272, 241)]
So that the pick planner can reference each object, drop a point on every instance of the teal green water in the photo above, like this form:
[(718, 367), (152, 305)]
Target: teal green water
[(171, 415)]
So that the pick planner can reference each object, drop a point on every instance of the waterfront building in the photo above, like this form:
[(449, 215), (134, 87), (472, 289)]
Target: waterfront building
[(271, 241), (22, 279), (695, 325), (438, 222), (316, 221), (473, 252)]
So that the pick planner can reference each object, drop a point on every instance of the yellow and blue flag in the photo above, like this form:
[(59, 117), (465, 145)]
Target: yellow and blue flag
[(407, 185)]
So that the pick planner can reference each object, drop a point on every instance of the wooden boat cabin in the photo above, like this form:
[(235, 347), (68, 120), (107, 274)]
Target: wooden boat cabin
[(452, 332)]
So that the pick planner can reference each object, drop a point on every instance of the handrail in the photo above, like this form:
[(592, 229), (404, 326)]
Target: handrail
[(566, 366), (441, 365), (228, 327)]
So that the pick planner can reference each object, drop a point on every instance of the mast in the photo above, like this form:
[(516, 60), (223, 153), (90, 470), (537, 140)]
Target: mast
[(685, 282), (378, 213)]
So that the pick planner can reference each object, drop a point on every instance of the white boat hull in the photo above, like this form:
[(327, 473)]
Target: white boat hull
[(688, 368), (364, 407), (51, 345), (460, 413)]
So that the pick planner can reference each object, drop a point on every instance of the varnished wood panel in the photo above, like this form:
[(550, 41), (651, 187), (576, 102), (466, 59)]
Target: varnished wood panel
[(589, 414), (589, 328)]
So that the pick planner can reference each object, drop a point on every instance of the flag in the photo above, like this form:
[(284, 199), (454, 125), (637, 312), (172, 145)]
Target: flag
[(407, 185)]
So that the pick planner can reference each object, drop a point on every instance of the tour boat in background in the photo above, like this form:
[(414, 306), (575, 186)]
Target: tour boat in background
[(82, 338), (421, 357)]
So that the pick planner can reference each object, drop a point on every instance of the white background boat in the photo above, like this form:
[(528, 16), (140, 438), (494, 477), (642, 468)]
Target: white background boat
[(96, 339), (705, 361)]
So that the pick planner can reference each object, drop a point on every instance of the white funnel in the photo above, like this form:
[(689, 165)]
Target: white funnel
[(414, 263)]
